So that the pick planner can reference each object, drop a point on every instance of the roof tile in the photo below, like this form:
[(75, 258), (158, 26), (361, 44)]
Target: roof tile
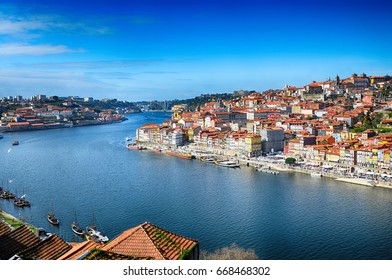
[(49, 249), (4, 229), (17, 241), (148, 240)]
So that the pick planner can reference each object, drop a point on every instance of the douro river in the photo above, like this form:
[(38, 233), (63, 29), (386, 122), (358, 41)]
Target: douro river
[(286, 216)]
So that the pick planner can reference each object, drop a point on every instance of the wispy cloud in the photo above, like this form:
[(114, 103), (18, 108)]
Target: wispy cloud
[(9, 27), (38, 25), (125, 63), (52, 83), (12, 49), (24, 33)]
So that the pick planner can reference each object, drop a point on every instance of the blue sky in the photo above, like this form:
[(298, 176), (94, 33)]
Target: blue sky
[(142, 50)]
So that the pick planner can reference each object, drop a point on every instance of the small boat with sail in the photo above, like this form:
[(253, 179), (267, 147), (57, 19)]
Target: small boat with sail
[(24, 200), (94, 234), (7, 195), (18, 202), (21, 201), (76, 228), (52, 218)]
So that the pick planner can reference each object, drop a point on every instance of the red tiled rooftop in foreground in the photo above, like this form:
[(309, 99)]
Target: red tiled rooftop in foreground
[(148, 240), (4, 229), (49, 249), (79, 249), (16, 241)]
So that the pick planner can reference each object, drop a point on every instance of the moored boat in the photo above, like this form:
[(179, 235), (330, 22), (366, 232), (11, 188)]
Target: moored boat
[(133, 146), (18, 202), (180, 155), (24, 200), (227, 163), (52, 219), (315, 174), (95, 235), (7, 195), (76, 228), (268, 170), (208, 159)]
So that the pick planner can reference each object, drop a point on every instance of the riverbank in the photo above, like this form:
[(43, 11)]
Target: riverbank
[(332, 174), (14, 222), (270, 163), (60, 125)]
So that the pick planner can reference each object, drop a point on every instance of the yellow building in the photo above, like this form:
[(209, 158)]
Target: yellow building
[(333, 155), (192, 131), (296, 109), (253, 145)]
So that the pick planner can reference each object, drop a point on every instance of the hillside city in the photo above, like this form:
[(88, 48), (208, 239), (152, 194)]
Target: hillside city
[(342, 121), (346, 121)]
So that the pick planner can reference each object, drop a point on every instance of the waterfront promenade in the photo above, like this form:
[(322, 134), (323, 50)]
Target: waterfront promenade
[(339, 172)]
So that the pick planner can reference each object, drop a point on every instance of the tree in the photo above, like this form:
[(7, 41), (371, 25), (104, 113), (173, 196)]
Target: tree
[(367, 121), (232, 252), (290, 160), (377, 119)]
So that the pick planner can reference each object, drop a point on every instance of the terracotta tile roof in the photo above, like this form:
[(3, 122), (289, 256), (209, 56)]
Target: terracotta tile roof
[(4, 229), (150, 126), (97, 254), (18, 123), (79, 249), (148, 240), (17, 241), (49, 249)]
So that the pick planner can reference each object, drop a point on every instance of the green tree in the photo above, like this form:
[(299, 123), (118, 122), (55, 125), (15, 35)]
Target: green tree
[(290, 160), (377, 119), (367, 121)]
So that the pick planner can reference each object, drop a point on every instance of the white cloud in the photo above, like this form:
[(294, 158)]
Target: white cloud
[(11, 49), (27, 26), (8, 27)]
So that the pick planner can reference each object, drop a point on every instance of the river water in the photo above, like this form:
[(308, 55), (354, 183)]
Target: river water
[(286, 216)]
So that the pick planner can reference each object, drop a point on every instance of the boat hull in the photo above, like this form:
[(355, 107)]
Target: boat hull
[(77, 230), (230, 164), (18, 203), (95, 235), (135, 147), (53, 220), (180, 155)]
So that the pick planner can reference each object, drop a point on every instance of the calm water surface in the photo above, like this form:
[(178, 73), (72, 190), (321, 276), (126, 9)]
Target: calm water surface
[(289, 216)]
